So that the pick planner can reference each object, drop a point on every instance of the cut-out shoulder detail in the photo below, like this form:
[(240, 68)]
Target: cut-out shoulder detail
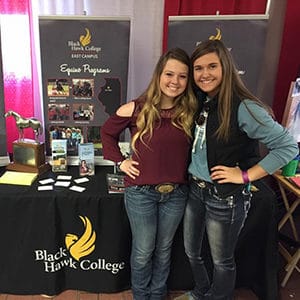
[(126, 110)]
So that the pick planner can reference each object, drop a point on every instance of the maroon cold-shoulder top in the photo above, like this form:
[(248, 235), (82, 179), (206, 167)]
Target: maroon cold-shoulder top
[(164, 160)]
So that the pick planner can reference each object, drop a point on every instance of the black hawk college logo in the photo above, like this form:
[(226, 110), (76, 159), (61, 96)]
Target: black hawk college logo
[(83, 245)]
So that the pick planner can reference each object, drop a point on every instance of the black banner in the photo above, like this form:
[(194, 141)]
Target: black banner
[(244, 35), (84, 69)]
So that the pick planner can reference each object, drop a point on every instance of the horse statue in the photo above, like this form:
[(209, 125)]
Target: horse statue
[(22, 123)]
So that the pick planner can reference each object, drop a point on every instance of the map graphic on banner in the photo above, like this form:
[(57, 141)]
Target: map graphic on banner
[(4, 160), (84, 71), (244, 36)]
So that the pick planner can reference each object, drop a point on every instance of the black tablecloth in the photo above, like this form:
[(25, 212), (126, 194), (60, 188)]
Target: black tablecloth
[(42, 249)]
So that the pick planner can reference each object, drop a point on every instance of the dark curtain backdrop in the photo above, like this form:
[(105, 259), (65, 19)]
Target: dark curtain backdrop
[(212, 7)]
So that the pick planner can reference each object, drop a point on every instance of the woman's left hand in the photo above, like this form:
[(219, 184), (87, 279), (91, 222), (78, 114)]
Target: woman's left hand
[(223, 174)]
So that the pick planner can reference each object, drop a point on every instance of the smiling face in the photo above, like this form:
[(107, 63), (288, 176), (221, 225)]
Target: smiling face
[(173, 79), (208, 73)]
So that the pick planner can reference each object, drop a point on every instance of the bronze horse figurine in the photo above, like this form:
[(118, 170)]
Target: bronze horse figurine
[(22, 123)]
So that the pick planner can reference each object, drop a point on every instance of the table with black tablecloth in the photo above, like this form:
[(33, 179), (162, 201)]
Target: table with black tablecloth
[(57, 240)]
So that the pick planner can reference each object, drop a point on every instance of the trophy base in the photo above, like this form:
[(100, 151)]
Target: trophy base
[(29, 169), (28, 156)]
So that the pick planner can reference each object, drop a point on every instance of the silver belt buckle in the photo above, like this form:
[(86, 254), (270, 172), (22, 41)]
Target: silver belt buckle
[(165, 188)]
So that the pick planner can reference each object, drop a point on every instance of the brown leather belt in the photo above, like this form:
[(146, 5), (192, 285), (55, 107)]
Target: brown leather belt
[(165, 188), (202, 183)]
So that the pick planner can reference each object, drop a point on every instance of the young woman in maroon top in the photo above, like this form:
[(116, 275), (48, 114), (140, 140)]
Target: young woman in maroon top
[(160, 123)]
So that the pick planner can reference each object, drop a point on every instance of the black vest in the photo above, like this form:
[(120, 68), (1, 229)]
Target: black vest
[(239, 150)]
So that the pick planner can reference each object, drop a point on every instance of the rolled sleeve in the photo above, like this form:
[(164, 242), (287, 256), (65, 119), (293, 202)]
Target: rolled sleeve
[(258, 124)]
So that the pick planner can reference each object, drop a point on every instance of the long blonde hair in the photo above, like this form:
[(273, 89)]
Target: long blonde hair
[(185, 104), (231, 84)]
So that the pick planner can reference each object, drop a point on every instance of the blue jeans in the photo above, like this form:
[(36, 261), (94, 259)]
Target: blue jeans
[(223, 220), (154, 218)]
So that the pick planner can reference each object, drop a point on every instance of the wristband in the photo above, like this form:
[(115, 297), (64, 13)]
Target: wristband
[(245, 177)]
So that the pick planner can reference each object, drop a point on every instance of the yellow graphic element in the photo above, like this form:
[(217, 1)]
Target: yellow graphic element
[(84, 245), (218, 36), (85, 39)]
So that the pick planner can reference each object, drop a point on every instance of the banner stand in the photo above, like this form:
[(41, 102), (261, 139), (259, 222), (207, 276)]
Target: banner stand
[(84, 75)]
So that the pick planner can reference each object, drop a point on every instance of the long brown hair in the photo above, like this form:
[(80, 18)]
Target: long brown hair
[(185, 104), (231, 84)]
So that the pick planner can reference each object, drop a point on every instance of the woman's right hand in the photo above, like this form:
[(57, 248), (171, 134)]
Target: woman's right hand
[(128, 166)]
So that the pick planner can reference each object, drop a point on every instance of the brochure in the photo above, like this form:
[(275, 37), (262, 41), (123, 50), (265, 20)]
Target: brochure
[(86, 159), (59, 155)]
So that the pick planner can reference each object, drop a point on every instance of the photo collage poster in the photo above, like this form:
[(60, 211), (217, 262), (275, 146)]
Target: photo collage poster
[(84, 72), (237, 32)]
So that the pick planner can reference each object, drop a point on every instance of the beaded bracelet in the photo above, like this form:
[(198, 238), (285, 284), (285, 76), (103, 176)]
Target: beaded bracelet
[(245, 177)]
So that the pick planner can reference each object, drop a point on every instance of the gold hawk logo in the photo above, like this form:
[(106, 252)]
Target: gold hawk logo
[(85, 39), (218, 36), (84, 245)]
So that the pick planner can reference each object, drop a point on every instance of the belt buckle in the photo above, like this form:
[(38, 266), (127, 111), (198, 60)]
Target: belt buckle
[(165, 188)]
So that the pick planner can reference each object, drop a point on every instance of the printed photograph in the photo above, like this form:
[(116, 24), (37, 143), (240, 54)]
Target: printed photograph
[(83, 88), (58, 112), (83, 112), (58, 88)]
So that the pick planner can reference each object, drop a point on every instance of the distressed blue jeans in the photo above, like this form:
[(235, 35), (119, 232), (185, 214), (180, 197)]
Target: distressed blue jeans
[(154, 218), (223, 220)]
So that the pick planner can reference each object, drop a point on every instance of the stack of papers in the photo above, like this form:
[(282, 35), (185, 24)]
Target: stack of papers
[(19, 178), (62, 181)]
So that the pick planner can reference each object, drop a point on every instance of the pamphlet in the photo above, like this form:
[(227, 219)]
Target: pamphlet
[(59, 155), (86, 159), (115, 183)]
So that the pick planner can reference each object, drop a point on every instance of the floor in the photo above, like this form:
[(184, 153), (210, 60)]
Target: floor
[(290, 292)]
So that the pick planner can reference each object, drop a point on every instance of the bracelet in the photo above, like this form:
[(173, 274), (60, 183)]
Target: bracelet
[(118, 164), (245, 177)]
